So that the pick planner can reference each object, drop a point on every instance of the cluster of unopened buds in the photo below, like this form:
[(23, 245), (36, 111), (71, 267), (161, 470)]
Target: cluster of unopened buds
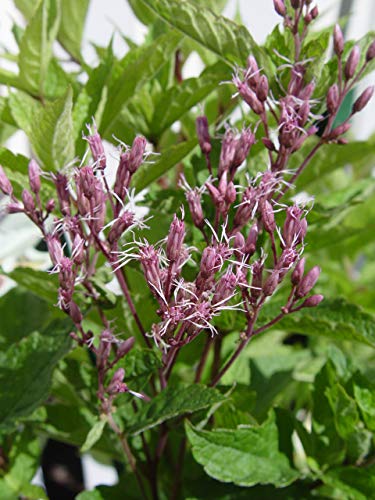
[(252, 243)]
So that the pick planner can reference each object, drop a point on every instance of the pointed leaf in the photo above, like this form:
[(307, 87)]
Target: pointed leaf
[(73, 16), (245, 456)]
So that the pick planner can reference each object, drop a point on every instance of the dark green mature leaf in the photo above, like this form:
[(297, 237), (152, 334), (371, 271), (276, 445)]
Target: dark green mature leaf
[(73, 15), (364, 393), (335, 318), (353, 483), (168, 159), (172, 402), (344, 408), (138, 67), (36, 45), (245, 456), (225, 38), (179, 99), (40, 283), (26, 369)]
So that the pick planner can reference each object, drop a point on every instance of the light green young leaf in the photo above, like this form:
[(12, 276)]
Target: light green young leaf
[(168, 159), (225, 38), (94, 435), (24, 110), (177, 100), (53, 138), (29, 365), (172, 402), (138, 67), (73, 16), (27, 7), (36, 46), (244, 456)]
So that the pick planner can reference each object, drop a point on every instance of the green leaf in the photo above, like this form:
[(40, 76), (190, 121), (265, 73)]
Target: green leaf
[(26, 369), (53, 139), (36, 46), (179, 99), (344, 409), (73, 16), (336, 319), (352, 483), (172, 402), (364, 393), (138, 67), (24, 109), (27, 7), (245, 456), (94, 435), (228, 40), (168, 159)]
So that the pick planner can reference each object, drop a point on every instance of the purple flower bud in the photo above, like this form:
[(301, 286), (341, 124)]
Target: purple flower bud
[(308, 282), (313, 301), (78, 250), (230, 194), (303, 113), (297, 274), (215, 194), (279, 6), (294, 229), (75, 313), (314, 12), (307, 91), (203, 134), (225, 287), (5, 185), (251, 240), (208, 262), (62, 188), (28, 201), (50, 205), (54, 248), (338, 40), (252, 72), (175, 239), (193, 198), (125, 347), (363, 99), (340, 130), (370, 54), (268, 216), (239, 244), (256, 282), (332, 98), (352, 62), (14, 208), (66, 274), (271, 283), (120, 225), (242, 148), (262, 88), (136, 153), (244, 211), (249, 96), (295, 4), (269, 144), (149, 259), (34, 176), (86, 181), (116, 385), (96, 146), (228, 150)]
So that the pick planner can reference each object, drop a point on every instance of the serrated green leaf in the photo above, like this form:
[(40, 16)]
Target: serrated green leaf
[(138, 67), (26, 368), (94, 435), (172, 402), (53, 139), (177, 100), (36, 46), (333, 318), (168, 159), (230, 41), (73, 16), (245, 456)]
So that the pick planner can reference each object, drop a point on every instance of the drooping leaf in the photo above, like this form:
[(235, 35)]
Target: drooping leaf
[(179, 99), (172, 402), (36, 45), (73, 15), (138, 67), (333, 318), (29, 365), (244, 456), (225, 38)]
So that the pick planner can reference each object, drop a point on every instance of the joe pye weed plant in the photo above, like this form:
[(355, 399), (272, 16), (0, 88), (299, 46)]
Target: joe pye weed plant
[(196, 346)]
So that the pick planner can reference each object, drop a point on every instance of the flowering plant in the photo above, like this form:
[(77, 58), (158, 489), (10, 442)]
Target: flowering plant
[(182, 325)]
